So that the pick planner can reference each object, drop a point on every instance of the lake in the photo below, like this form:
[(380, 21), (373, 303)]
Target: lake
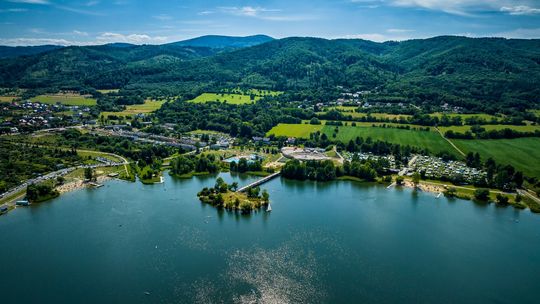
[(335, 242)]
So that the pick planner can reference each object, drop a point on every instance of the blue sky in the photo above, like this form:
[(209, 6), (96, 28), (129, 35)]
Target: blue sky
[(66, 22)]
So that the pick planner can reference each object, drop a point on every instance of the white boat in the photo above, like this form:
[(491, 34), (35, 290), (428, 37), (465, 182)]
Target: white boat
[(269, 208)]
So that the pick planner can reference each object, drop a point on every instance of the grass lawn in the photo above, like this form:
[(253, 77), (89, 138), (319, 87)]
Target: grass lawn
[(422, 139), (148, 107), (294, 130), (65, 99), (95, 154), (522, 153), (236, 99), (349, 111), (7, 98), (463, 129)]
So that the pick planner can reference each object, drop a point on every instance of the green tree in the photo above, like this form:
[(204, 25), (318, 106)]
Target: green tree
[(88, 173), (265, 196), (481, 194), (416, 178)]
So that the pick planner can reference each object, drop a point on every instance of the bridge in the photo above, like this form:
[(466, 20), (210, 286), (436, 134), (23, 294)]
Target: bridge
[(259, 182)]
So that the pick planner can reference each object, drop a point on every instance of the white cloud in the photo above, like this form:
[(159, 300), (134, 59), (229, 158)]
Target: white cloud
[(35, 41), (249, 11), (394, 31), (162, 17), (130, 38), (80, 33), (520, 10), (44, 2), (389, 35), (263, 13), (91, 3), (520, 33), (461, 7), (13, 10), (203, 13)]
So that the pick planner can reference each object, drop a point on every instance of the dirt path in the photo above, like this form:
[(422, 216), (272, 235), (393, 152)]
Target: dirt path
[(450, 142)]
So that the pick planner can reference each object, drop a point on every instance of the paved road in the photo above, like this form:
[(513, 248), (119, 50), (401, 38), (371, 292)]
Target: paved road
[(48, 176), (529, 195)]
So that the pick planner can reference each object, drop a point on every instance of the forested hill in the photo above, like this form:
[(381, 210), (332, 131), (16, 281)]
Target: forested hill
[(215, 41), (15, 51), (471, 72)]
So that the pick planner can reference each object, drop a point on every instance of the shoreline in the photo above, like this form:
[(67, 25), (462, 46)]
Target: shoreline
[(424, 187), (80, 184)]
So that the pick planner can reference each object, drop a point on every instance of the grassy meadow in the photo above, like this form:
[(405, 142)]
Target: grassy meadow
[(422, 139), (235, 99), (487, 117), (522, 153), (149, 106), (463, 129), (295, 130), (7, 98), (65, 99)]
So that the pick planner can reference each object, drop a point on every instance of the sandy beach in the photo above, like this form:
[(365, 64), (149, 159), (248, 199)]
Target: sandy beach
[(424, 187), (79, 184)]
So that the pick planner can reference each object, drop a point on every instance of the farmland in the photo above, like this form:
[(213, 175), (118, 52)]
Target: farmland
[(522, 153), (7, 98), (65, 99), (422, 139), (350, 111), (487, 117), (295, 130), (148, 107), (235, 99), (463, 129)]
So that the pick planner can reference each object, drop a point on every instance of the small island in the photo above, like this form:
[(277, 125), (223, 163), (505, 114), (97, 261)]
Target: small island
[(226, 196)]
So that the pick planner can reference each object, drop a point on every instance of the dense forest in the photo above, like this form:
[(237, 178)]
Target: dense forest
[(483, 74)]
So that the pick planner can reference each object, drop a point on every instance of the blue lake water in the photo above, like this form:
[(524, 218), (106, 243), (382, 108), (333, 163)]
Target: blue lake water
[(336, 242)]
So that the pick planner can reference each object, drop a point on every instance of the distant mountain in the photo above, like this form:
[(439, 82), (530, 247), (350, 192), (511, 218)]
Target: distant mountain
[(476, 73), (15, 51), (223, 42)]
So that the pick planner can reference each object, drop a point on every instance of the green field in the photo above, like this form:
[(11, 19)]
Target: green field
[(148, 107), (7, 98), (463, 129), (422, 139), (522, 153), (487, 117), (349, 111), (294, 130), (236, 99), (65, 99)]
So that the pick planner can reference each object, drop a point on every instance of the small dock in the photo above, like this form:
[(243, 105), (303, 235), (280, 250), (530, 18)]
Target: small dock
[(259, 182)]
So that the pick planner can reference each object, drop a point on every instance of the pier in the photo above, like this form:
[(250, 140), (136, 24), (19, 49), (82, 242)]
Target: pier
[(259, 182)]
